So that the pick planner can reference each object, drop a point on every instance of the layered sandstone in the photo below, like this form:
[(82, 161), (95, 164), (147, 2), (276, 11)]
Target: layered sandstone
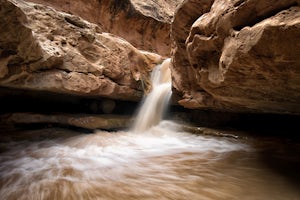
[(46, 50), (107, 122), (238, 55), (145, 24)]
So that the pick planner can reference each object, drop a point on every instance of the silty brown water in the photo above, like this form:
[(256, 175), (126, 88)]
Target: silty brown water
[(161, 163)]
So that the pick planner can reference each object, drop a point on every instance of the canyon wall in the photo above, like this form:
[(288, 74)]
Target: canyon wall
[(240, 56), (145, 24), (229, 56), (43, 49)]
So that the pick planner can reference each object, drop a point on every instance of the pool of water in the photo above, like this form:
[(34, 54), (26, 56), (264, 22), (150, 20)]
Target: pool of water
[(161, 163)]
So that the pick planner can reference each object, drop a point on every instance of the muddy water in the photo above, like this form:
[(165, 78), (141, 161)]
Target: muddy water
[(161, 163)]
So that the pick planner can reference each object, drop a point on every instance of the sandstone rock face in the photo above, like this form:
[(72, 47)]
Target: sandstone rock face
[(186, 14), (238, 55), (43, 49), (143, 23)]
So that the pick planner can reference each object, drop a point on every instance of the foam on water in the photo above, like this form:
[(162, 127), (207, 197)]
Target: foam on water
[(100, 157), (161, 163)]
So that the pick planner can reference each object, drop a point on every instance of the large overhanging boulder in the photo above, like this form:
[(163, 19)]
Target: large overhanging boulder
[(46, 50), (238, 55)]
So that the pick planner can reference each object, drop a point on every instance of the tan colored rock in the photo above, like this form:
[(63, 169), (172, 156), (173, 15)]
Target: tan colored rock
[(185, 15), (144, 23), (43, 49), (242, 56)]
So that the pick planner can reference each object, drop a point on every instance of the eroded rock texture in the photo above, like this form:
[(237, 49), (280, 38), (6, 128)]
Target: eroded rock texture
[(145, 24), (240, 55), (43, 49)]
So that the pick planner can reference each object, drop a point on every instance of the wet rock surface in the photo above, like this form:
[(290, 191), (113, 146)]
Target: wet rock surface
[(89, 122)]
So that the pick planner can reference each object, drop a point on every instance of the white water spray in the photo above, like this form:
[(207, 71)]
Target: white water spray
[(156, 102)]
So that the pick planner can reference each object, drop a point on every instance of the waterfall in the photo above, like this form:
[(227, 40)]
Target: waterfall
[(155, 103)]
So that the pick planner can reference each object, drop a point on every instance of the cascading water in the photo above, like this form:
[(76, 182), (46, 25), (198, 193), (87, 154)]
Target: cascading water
[(155, 103), (160, 163)]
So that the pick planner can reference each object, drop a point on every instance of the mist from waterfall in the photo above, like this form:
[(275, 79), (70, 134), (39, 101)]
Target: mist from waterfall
[(155, 103)]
